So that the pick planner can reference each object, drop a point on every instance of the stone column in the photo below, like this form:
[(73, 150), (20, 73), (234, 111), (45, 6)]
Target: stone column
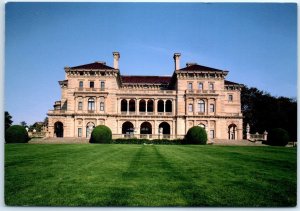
[(127, 107), (117, 109), (194, 105), (137, 105), (173, 107), (146, 102), (97, 107), (206, 106), (248, 132), (164, 106), (155, 106), (84, 104)]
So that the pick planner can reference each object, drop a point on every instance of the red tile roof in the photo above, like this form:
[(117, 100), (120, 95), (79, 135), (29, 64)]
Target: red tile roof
[(95, 65), (231, 83), (197, 67), (146, 79)]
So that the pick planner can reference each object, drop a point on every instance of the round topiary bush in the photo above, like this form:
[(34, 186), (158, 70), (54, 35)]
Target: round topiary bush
[(278, 137), (101, 134), (16, 134), (195, 135)]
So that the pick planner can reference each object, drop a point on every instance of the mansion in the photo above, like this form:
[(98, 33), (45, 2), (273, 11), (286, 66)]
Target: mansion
[(146, 106)]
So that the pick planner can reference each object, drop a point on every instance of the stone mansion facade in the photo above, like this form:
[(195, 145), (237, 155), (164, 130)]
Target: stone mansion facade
[(146, 106)]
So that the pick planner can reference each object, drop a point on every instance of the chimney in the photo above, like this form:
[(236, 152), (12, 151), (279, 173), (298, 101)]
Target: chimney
[(116, 59), (176, 60)]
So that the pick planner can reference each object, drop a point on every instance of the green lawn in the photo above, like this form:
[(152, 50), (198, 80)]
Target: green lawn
[(149, 175)]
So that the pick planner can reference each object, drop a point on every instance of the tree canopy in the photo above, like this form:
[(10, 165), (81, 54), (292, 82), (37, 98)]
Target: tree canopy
[(265, 112), (8, 120)]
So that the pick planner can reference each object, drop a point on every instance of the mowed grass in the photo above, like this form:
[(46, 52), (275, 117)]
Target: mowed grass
[(149, 175)]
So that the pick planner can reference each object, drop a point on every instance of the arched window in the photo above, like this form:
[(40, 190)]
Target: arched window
[(124, 105), (59, 129), (142, 106), (89, 128), (150, 106), (160, 106), (164, 128), (232, 131), (202, 125), (201, 106), (168, 106), (127, 128), (91, 104), (79, 105), (131, 105), (80, 84), (146, 128)]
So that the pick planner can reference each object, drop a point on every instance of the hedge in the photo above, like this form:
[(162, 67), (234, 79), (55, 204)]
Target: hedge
[(278, 137)]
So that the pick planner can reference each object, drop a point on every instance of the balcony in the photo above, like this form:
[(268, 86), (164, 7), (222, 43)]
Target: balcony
[(57, 111), (90, 89), (142, 113), (152, 92), (233, 114), (188, 91)]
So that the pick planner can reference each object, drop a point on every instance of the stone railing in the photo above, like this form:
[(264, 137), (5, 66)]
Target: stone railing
[(147, 136), (256, 136), (90, 89), (57, 111), (195, 91), (37, 134), (125, 91)]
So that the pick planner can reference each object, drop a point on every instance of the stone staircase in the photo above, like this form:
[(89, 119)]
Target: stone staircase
[(242, 142)]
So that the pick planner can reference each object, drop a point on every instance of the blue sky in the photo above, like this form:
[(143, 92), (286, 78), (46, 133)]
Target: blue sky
[(256, 43)]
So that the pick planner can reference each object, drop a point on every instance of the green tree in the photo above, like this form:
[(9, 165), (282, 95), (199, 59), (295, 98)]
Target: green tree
[(23, 123), (265, 112), (8, 120)]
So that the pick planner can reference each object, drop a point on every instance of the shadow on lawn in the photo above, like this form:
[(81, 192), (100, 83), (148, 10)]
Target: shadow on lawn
[(184, 186)]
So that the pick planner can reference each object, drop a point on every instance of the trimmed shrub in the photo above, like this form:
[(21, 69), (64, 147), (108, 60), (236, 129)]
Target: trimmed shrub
[(101, 134), (278, 137), (195, 135), (16, 134)]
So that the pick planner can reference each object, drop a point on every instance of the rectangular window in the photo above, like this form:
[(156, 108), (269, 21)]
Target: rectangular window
[(190, 107), (211, 86), (79, 132), (212, 134), (92, 84), (201, 106), (190, 86), (101, 106), (211, 108), (79, 105), (230, 98), (80, 84), (200, 86), (91, 104), (102, 85)]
